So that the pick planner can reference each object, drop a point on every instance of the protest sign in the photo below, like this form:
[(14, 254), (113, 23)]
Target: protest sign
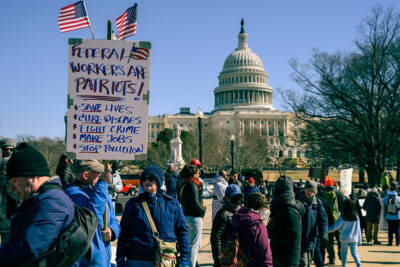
[(108, 98), (345, 181)]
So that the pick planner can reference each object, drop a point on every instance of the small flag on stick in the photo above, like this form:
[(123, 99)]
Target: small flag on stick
[(73, 17), (126, 23)]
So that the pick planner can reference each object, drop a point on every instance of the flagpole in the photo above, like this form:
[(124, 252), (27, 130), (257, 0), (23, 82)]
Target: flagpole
[(87, 14)]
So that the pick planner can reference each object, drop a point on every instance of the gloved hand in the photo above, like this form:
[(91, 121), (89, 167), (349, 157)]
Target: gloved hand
[(324, 240)]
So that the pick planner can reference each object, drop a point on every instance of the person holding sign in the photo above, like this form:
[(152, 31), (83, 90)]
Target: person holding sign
[(90, 190), (149, 222)]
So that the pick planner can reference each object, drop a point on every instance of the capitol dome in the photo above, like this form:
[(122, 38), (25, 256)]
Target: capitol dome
[(243, 82)]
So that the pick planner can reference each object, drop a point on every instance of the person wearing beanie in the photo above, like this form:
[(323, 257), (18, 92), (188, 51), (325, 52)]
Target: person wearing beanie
[(372, 206), (222, 222), (362, 214), (284, 227), (251, 232), (136, 245), (393, 218), (335, 199), (90, 190), (314, 222), (249, 188), (43, 213)]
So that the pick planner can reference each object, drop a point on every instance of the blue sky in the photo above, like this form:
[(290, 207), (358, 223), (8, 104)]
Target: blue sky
[(190, 41)]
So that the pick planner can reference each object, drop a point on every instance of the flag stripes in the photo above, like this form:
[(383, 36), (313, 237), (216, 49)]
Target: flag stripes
[(126, 23), (73, 17)]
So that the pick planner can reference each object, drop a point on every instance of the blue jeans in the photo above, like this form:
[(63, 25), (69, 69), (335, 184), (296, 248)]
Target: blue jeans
[(354, 253), (195, 225)]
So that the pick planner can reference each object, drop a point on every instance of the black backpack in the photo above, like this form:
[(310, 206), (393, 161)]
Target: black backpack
[(73, 242)]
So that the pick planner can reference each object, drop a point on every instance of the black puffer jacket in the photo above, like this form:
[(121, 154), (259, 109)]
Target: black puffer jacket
[(190, 199), (372, 205), (284, 228), (221, 223)]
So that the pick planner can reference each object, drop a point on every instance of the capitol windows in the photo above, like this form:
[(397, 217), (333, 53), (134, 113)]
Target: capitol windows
[(271, 141), (263, 130), (280, 153), (271, 128), (241, 79), (227, 122), (289, 153), (298, 154)]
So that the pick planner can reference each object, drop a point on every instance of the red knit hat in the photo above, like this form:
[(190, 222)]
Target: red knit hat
[(329, 181), (251, 180), (195, 162)]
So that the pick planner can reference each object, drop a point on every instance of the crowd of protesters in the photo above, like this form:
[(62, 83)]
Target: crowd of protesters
[(253, 223)]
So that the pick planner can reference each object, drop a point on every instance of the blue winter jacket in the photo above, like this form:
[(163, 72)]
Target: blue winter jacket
[(314, 222), (37, 223), (389, 216), (96, 198), (136, 241)]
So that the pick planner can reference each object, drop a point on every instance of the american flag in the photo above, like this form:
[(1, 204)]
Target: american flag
[(126, 23), (73, 17), (140, 53)]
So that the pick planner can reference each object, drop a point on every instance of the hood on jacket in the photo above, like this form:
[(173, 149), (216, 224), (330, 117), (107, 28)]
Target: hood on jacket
[(283, 193), (155, 172), (245, 217), (283, 185)]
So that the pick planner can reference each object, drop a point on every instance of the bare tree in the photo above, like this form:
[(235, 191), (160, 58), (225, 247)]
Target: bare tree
[(252, 151), (351, 107)]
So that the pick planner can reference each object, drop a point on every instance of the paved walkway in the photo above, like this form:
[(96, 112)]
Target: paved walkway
[(379, 255)]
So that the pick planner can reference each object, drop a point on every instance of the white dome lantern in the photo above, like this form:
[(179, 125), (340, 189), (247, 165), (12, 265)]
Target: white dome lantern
[(243, 82)]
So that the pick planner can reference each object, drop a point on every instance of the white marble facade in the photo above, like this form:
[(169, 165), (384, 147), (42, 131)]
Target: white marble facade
[(242, 104)]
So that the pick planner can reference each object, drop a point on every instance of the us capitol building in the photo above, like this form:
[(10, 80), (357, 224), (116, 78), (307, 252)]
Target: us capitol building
[(242, 105)]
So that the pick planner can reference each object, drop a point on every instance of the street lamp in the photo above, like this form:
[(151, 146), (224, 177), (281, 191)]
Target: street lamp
[(199, 121), (232, 138)]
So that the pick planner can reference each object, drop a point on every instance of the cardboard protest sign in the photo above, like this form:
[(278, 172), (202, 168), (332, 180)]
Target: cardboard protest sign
[(345, 181), (317, 173), (108, 98)]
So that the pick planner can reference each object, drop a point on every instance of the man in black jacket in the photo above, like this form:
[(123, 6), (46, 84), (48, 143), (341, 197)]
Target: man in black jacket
[(284, 228), (223, 220), (314, 223)]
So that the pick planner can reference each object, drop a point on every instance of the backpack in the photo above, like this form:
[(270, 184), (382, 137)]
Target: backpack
[(72, 243), (392, 205), (332, 199), (232, 255)]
